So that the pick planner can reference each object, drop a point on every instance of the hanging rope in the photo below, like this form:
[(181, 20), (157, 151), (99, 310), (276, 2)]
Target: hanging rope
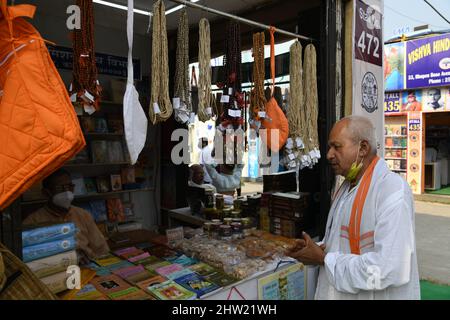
[(232, 110), (204, 81), (258, 99), (181, 90), (296, 113), (84, 65), (160, 105), (311, 106)]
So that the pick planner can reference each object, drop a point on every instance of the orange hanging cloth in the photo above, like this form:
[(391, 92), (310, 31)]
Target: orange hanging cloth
[(39, 129), (275, 118)]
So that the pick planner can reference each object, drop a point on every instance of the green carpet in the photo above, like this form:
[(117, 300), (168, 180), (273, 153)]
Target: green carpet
[(443, 191), (432, 291)]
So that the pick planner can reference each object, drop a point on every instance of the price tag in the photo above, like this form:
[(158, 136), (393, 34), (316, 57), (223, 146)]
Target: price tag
[(89, 109), (73, 97), (289, 143), (262, 114), (156, 108), (88, 95), (176, 103), (299, 143), (183, 117), (291, 156), (224, 99), (230, 91)]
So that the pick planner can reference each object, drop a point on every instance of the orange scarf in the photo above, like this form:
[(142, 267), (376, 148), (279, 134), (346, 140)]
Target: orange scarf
[(357, 208)]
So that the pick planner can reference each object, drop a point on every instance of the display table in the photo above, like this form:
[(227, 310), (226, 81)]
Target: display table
[(184, 215), (131, 238)]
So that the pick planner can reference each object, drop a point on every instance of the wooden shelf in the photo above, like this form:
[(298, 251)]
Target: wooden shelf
[(77, 165), (91, 195)]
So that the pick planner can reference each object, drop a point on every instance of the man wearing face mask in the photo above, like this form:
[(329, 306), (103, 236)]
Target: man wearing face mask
[(368, 251), (58, 187)]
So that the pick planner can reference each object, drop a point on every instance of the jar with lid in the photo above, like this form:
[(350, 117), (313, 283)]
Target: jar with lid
[(225, 232), (235, 214), (209, 198), (227, 221), (207, 229), (246, 226), (227, 212), (237, 230), (219, 202), (237, 204), (215, 229)]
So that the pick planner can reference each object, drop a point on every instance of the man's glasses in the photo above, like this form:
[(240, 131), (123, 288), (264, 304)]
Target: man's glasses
[(65, 187)]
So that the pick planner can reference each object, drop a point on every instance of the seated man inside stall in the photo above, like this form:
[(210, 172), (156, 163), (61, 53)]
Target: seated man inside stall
[(225, 177), (58, 188), (196, 178)]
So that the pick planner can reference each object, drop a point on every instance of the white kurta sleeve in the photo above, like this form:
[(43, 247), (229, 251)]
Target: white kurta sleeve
[(394, 245)]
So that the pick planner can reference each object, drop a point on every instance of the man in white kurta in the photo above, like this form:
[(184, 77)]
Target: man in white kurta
[(386, 265)]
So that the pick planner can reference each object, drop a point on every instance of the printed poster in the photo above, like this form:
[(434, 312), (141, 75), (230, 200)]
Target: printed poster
[(288, 284), (411, 100), (415, 151), (368, 80), (392, 102), (394, 66)]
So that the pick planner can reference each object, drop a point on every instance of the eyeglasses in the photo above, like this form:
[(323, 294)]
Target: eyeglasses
[(65, 187)]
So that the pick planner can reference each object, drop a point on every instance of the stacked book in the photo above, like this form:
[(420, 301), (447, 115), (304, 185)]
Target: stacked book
[(49, 251)]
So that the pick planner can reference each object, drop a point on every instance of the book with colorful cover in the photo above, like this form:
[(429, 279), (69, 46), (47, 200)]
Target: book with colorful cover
[(119, 265), (182, 260), (53, 264), (146, 284), (98, 210), (47, 249), (131, 293), (221, 279), (171, 290), (141, 256), (203, 269), (128, 271), (109, 284), (148, 261), (47, 234), (162, 252), (145, 246), (197, 284), (141, 276), (88, 292), (166, 270), (132, 254), (179, 274), (91, 185), (115, 210), (107, 260), (156, 265)]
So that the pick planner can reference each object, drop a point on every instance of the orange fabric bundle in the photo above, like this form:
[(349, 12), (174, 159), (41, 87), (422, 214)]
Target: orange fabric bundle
[(275, 118), (39, 129)]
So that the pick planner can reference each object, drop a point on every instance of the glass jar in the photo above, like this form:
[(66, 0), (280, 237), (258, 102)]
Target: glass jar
[(207, 229), (215, 229), (235, 214), (219, 202), (237, 230), (237, 204), (227, 212), (225, 232), (227, 221), (209, 199)]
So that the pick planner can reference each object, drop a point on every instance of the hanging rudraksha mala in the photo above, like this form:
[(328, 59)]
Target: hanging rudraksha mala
[(85, 83)]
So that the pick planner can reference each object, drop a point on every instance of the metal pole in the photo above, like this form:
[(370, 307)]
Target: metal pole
[(247, 21)]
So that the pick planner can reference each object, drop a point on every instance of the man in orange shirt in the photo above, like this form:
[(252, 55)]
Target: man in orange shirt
[(58, 187)]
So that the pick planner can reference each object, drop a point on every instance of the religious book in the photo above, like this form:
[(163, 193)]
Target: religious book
[(182, 260), (53, 264), (179, 274), (148, 261), (146, 284), (140, 276), (156, 265), (109, 284), (99, 151), (119, 265), (101, 126), (131, 293), (128, 175), (98, 210), (103, 184), (47, 249), (197, 284), (139, 257), (48, 233), (56, 283), (115, 152), (79, 186), (221, 279), (128, 271), (170, 290), (203, 269), (115, 210), (167, 270), (99, 271), (127, 250), (116, 182), (88, 292), (90, 185), (107, 260), (161, 251)]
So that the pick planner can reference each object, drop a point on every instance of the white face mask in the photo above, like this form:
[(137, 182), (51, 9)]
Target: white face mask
[(63, 199)]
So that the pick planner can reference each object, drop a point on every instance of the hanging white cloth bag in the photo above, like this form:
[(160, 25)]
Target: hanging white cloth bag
[(135, 121)]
